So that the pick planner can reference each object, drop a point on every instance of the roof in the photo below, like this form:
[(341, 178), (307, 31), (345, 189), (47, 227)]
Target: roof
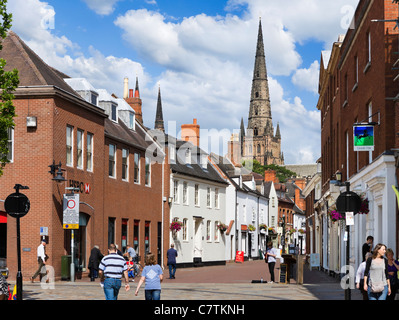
[(120, 132), (32, 70), (194, 169)]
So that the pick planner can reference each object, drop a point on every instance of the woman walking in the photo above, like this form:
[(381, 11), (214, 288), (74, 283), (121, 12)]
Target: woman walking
[(393, 268), (271, 254), (152, 275), (376, 280)]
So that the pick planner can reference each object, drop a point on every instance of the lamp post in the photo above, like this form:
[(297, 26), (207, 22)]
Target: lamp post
[(17, 205), (347, 201), (282, 223)]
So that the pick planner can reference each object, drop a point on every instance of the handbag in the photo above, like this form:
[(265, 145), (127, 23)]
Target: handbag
[(377, 287)]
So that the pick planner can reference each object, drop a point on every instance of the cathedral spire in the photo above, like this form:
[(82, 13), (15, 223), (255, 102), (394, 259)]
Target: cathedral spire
[(263, 145), (159, 115)]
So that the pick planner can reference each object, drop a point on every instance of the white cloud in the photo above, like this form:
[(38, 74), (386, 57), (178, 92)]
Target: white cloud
[(61, 53), (102, 7), (307, 79), (207, 62)]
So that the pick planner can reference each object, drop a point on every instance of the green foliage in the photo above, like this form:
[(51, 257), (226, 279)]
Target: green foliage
[(281, 172), (9, 81)]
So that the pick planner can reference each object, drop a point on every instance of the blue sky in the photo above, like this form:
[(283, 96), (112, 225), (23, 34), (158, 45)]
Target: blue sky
[(201, 54)]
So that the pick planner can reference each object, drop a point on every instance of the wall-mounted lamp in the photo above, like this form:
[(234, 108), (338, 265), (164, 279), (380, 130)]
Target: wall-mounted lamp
[(53, 167)]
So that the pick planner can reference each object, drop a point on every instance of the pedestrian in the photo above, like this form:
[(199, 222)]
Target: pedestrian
[(360, 277), (130, 252), (118, 251), (3, 288), (41, 259), (367, 247), (378, 287), (393, 268), (112, 267), (271, 254), (130, 267), (171, 254), (94, 261), (152, 275)]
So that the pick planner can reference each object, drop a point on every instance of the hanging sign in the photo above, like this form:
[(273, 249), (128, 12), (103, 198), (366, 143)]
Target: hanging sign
[(71, 211), (363, 137)]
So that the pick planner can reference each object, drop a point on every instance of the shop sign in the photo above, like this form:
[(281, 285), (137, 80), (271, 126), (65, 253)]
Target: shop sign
[(363, 137)]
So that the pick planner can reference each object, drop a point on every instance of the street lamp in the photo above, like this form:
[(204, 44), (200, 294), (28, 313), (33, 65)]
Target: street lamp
[(282, 223), (347, 201), (58, 177)]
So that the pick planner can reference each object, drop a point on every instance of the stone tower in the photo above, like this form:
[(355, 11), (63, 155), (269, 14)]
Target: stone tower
[(260, 142)]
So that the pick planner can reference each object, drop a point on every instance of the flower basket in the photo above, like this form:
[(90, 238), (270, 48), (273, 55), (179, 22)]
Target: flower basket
[(222, 227), (271, 230), (262, 226), (301, 231), (364, 204), (176, 226), (291, 231), (251, 227), (336, 216)]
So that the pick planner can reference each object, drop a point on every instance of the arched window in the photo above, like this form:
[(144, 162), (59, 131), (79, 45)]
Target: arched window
[(255, 131), (258, 148)]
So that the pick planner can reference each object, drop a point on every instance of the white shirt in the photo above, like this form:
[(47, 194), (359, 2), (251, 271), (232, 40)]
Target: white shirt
[(360, 272), (271, 251), (40, 252)]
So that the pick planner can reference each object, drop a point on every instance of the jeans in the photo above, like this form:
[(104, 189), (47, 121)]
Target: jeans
[(111, 288), (271, 269), (152, 294), (172, 270), (378, 295)]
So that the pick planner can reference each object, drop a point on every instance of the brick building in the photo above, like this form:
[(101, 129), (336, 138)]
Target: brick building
[(102, 149), (357, 84)]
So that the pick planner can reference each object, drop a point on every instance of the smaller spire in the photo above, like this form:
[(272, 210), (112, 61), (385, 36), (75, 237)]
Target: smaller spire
[(278, 135), (137, 91), (159, 114)]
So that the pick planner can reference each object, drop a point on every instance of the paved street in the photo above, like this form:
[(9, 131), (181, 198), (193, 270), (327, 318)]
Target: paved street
[(230, 282)]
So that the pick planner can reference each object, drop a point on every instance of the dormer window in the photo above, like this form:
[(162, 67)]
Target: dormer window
[(113, 112), (93, 99), (188, 156), (131, 121)]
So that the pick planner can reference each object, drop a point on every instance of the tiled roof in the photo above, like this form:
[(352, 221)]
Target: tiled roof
[(33, 71)]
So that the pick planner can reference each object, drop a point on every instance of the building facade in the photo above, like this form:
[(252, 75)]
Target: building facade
[(358, 85), (96, 144)]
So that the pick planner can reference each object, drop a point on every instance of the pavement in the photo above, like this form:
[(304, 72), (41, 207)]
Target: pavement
[(232, 281)]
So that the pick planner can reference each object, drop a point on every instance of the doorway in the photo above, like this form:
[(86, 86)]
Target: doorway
[(198, 240)]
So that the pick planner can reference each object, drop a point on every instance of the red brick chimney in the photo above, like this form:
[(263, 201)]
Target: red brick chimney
[(135, 102), (191, 132), (270, 175)]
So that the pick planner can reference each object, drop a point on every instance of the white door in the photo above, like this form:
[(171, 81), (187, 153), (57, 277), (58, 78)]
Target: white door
[(198, 238)]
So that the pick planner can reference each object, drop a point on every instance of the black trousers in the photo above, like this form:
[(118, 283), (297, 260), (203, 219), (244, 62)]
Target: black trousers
[(271, 269)]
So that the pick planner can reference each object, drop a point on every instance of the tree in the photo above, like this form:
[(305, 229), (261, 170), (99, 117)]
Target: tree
[(9, 81), (281, 172)]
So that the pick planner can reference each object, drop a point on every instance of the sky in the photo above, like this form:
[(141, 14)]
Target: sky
[(201, 55)]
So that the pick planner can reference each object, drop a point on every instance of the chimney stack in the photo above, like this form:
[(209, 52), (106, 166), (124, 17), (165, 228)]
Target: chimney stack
[(191, 132), (125, 87), (133, 99), (270, 175)]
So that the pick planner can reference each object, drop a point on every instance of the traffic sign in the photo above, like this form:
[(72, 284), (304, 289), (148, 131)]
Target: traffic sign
[(71, 211), (17, 205)]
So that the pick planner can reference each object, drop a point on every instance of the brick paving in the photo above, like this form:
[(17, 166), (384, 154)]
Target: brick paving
[(230, 282)]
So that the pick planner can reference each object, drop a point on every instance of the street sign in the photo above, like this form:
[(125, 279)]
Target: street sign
[(71, 211), (17, 205)]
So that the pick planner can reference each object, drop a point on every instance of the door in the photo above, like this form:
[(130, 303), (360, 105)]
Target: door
[(198, 239)]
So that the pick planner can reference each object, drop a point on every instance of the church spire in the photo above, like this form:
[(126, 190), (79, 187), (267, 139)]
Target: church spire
[(159, 115), (136, 90)]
